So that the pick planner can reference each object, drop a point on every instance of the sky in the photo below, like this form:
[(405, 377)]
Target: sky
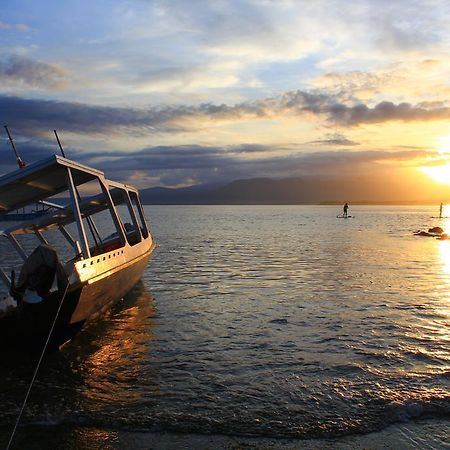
[(175, 93)]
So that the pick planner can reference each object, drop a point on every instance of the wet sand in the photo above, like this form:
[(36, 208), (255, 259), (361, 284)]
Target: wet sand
[(421, 434), (430, 434)]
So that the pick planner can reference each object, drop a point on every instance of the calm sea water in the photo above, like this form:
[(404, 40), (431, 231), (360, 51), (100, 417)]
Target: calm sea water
[(277, 321)]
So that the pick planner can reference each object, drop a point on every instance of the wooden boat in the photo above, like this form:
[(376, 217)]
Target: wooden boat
[(62, 291)]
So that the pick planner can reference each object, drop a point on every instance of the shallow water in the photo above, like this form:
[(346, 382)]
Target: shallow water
[(274, 321)]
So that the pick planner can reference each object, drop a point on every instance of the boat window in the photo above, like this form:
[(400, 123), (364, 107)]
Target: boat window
[(129, 221), (139, 212), (59, 243), (98, 221)]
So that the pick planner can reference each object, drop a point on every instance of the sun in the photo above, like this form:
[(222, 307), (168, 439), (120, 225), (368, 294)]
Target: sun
[(443, 143), (440, 174)]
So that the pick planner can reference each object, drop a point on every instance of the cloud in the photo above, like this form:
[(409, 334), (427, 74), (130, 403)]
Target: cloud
[(135, 51), (340, 113), (18, 26), (257, 31), (19, 70), (356, 83), (181, 78), (416, 80), (29, 150), (384, 112), (22, 27), (35, 115), (191, 164), (334, 139), (416, 31)]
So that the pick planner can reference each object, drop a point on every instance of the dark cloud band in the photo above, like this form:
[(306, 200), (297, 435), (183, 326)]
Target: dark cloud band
[(34, 115)]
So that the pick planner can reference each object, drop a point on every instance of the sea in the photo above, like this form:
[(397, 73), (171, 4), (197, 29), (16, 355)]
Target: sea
[(257, 327)]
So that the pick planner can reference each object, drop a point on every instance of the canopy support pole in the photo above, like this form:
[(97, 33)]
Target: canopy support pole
[(115, 216), (79, 219), (5, 279), (16, 245), (69, 238), (133, 215), (40, 236)]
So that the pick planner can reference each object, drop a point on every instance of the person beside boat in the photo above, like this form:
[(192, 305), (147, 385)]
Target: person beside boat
[(40, 273)]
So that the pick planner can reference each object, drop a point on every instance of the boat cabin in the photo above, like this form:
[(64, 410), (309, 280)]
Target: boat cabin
[(72, 216)]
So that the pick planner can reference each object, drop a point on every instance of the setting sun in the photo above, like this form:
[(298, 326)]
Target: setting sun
[(443, 144), (440, 174)]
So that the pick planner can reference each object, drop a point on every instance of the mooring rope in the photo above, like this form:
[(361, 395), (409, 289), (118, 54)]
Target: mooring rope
[(38, 365)]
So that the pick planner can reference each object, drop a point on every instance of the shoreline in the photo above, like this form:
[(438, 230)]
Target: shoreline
[(421, 433)]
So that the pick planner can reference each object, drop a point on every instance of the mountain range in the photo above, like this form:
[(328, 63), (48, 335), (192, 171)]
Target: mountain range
[(299, 191)]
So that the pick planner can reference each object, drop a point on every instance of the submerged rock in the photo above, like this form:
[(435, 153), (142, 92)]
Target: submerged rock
[(423, 233), (432, 232)]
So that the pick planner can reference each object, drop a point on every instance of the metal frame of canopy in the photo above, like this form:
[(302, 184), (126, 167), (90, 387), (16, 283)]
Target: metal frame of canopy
[(40, 180), (55, 175)]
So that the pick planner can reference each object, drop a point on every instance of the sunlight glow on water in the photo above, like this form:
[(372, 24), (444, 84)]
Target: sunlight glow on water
[(444, 252)]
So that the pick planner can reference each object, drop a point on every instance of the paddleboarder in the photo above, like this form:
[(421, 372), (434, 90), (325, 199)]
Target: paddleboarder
[(345, 209)]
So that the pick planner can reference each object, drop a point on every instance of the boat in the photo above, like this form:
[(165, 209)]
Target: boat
[(59, 292)]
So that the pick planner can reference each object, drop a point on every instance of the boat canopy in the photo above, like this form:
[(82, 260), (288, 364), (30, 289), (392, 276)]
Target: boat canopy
[(65, 214), (41, 180)]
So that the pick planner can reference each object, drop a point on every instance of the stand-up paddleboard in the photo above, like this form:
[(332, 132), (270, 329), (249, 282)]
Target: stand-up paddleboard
[(442, 210), (341, 216)]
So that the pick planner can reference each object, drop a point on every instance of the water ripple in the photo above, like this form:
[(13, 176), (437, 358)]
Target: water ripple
[(247, 323)]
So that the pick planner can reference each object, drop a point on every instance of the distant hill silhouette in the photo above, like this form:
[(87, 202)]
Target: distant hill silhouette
[(296, 191)]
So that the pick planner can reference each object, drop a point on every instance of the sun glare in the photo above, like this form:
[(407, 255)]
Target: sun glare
[(440, 174), (444, 253), (443, 144)]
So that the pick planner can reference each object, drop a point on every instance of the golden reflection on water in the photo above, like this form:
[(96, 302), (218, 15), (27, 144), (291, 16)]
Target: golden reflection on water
[(444, 307), (444, 254), (444, 251), (92, 438), (115, 356)]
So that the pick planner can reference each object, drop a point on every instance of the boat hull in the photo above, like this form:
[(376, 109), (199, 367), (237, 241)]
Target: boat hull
[(83, 303), (100, 293)]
